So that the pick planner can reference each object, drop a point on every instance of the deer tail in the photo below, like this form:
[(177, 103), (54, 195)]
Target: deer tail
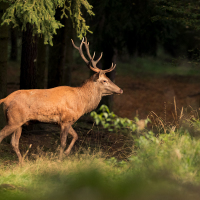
[(2, 100)]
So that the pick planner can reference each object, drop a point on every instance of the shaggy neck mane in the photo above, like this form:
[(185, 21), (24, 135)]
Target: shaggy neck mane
[(90, 95)]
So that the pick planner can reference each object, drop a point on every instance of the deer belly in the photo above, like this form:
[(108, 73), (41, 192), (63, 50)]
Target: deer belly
[(46, 118)]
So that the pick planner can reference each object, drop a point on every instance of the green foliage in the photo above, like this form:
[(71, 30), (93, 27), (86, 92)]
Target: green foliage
[(183, 12), (41, 15), (112, 122), (177, 152), (174, 152), (77, 18)]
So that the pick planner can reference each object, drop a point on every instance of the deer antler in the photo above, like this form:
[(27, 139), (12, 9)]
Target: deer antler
[(110, 69), (80, 50), (92, 61)]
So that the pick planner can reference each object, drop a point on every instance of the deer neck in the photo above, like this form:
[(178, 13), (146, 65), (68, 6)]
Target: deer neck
[(90, 96)]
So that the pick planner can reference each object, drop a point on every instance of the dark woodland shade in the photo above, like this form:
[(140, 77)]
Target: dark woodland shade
[(57, 56), (28, 59), (3, 61)]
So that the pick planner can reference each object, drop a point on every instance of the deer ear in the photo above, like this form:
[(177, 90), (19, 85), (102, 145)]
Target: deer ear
[(96, 77)]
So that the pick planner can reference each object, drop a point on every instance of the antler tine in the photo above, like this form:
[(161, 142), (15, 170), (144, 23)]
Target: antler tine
[(92, 68), (96, 61), (80, 50), (93, 55), (74, 45), (87, 48), (110, 69), (99, 58)]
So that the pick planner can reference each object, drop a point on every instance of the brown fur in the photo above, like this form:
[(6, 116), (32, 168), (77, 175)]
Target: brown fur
[(63, 105)]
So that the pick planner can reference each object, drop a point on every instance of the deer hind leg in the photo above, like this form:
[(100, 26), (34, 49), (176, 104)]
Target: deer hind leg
[(15, 143), (63, 138), (75, 137), (7, 130)]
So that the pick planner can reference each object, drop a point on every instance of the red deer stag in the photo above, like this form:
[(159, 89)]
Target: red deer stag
[(62, 105)]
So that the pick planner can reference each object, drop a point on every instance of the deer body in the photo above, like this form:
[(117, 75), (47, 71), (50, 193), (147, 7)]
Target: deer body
[(54, 105), (62, 105)]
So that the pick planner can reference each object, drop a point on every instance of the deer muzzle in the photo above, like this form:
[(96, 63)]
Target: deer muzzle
[(118, 91)]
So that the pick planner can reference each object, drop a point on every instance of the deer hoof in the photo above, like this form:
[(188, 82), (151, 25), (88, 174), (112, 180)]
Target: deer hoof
[(67, 153)]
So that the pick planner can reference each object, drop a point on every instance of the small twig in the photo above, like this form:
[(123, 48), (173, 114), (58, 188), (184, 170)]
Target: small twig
[(165, 112), (27, 152), (159, 119), (175, 109), (181, 115), (91, 128)]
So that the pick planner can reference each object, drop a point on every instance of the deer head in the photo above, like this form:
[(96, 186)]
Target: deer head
[(106, 86)]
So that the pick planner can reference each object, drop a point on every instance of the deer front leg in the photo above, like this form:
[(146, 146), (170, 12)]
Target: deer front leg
[(63, 138), (75, 137)]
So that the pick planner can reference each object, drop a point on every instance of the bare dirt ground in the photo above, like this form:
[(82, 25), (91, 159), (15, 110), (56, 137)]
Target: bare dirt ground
[(142, 94)]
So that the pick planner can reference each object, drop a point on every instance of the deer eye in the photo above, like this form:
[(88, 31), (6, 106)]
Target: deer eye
[(104, 81)]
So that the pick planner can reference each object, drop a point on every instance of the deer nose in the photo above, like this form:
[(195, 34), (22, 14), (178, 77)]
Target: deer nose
[(121, 91)]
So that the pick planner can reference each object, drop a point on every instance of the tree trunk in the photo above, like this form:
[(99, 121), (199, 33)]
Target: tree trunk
[(57, 57), (69, 53), (14, 47), (3, 61), (28, 59), (41, 63)]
